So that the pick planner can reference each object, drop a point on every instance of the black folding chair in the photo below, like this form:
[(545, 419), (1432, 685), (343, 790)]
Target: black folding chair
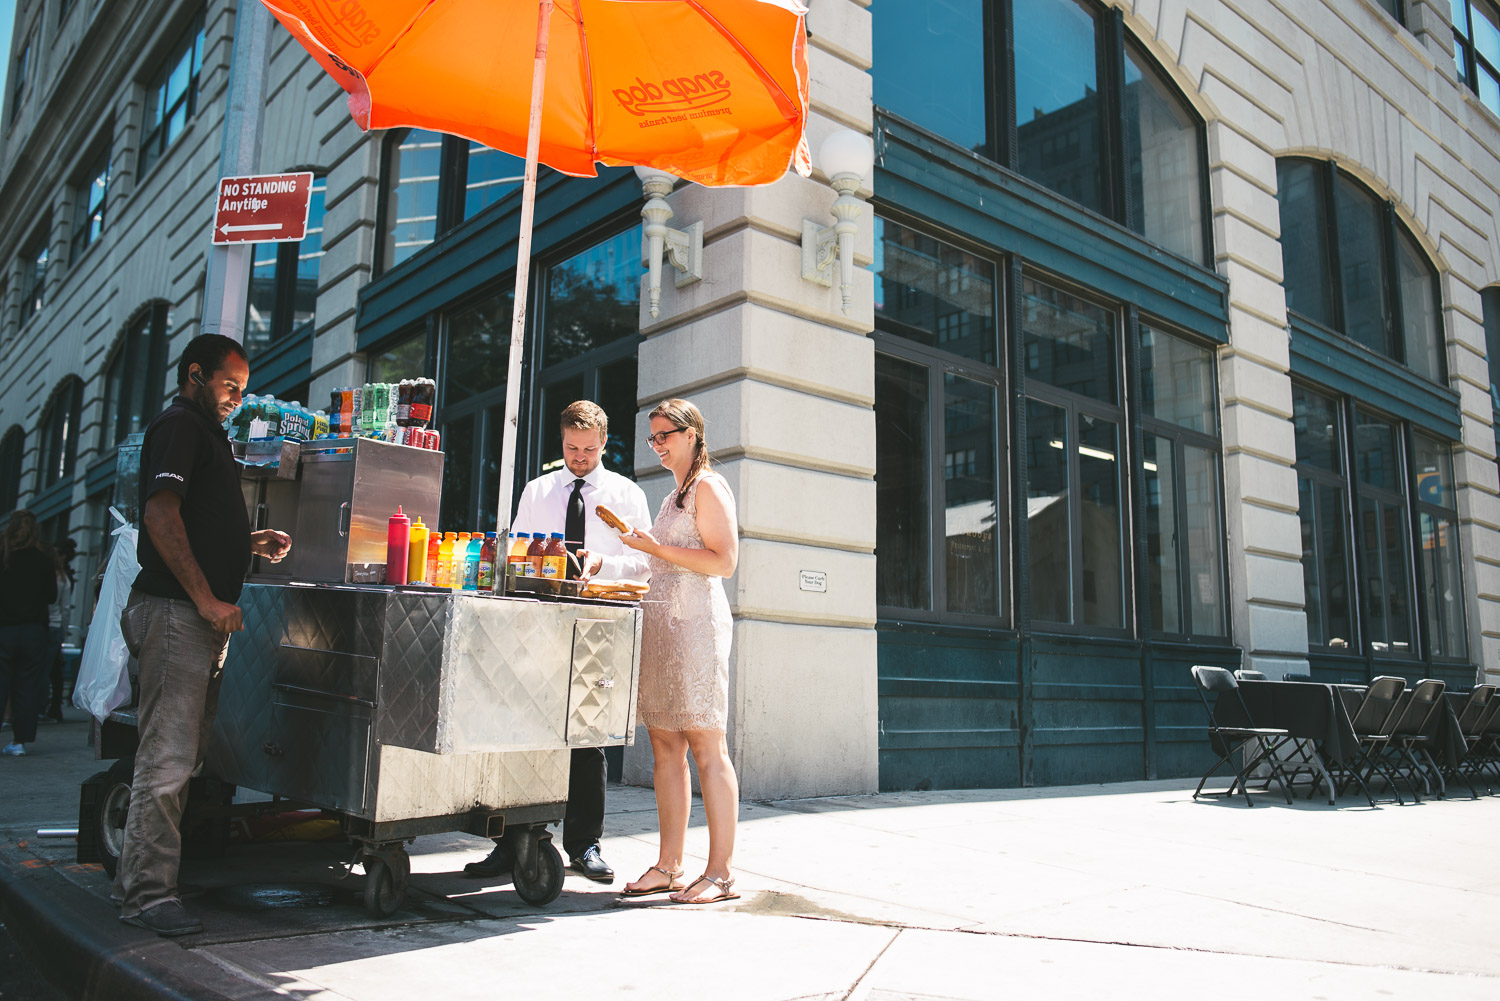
[(1229, 741), (1296, 677), (1406, 752), (1371, 722), (1246, 674), (1483, 758), (1470, 718)]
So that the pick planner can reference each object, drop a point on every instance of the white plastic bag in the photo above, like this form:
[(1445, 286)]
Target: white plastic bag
[(103, 679)]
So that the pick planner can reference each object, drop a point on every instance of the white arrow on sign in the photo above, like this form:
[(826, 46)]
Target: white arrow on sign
[(250, 227)]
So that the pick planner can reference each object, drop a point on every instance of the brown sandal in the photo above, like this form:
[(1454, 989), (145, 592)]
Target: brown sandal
[(672, 885), (726, 890)]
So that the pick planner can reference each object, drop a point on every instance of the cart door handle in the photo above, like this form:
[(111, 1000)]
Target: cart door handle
[(274, 750), (260, 515), (344, 520), (605, 683)]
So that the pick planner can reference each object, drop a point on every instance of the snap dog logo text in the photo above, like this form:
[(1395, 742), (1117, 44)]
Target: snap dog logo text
[(674, 94)]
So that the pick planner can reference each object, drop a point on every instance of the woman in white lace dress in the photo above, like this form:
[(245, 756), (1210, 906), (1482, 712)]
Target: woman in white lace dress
[(684, 692)]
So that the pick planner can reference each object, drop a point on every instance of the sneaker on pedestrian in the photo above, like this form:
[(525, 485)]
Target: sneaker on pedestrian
[(14, 750), (168, 920)]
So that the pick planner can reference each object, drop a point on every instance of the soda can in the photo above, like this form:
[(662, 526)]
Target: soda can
[(433, 441)]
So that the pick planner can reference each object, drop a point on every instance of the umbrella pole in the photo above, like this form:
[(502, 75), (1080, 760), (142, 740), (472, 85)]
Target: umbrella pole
[(523, 274)]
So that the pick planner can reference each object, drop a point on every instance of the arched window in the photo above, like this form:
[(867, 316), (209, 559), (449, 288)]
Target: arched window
[(135, 376), (12, 449), (1072, 102), (430, 183), (59, 441), (1350, 265)]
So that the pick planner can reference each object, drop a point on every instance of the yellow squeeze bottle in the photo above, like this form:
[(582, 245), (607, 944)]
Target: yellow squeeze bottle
[(416, 560), (445, 561)]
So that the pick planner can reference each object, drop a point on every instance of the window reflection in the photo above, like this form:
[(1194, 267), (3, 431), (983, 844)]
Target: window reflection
[(1057, 99), (491, 175), (405, 359), (478, 349), (1069, 342), (1162, 170), (1205, 540), (1048, 533), (970, 486), (1308, 278), (1177, 381), (902, 474), (929, 66), (593, 298), (411, 195), (1420, 319), (933, 292), (1362, 268), (1163, 557), (1439, 557)]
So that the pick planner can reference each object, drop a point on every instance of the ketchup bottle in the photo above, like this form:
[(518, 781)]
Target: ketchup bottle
[(397, 544)]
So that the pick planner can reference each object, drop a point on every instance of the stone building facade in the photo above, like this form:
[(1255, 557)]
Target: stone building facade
[(1168, 346)]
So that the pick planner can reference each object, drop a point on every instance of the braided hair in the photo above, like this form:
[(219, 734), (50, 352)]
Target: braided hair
[(684, 415)]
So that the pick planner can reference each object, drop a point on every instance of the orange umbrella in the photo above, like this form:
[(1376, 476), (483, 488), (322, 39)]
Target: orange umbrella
[(714, 91)]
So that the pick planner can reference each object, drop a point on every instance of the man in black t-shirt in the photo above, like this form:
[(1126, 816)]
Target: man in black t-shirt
[(194, 548)]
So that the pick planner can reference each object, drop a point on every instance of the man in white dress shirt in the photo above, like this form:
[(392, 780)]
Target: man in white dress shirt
[(564, 501)]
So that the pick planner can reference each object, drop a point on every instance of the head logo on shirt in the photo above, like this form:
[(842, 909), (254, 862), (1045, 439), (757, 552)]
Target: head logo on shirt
[(174, 476)]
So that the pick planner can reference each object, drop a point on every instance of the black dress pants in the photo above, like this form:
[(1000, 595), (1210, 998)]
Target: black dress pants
[(583, 823)]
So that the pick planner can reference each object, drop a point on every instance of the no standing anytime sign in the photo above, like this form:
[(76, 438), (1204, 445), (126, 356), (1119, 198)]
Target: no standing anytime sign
[(270, 208)]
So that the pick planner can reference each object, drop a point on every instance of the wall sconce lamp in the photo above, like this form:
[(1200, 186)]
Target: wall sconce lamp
[(684, 247), (846, 157)]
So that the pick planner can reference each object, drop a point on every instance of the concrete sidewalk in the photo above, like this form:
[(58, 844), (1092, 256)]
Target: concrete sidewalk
[(1130, 890)]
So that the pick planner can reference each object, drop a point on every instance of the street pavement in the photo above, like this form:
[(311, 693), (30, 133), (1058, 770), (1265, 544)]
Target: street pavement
[(1124, 891)]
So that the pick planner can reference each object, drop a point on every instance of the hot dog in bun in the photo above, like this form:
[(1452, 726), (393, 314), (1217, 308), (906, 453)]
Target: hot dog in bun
[(613, 520)]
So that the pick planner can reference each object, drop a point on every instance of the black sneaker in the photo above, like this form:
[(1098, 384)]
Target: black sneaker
[(588, 863), (168, 920), (496, 863)]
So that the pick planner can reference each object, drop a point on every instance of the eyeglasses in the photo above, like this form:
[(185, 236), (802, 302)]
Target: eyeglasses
[(660, 438)]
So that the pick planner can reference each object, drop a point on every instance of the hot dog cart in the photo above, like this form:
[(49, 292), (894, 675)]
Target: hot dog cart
[(403, 710)]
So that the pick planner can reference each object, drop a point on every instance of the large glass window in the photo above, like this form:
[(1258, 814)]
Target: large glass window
[(89, 209), (472, 410), (1184, 535), (59, 437), (1384, 536), (930, 67), (1057, 91), (1074, 450), (939, 430), (1437, 553), (1162, 160), (1323, 509), (1349, 264), (12, 450), (590, 340), (431, 182), (34, 275), (134, 379), (171, 97), (1476, 48), (283, 297)]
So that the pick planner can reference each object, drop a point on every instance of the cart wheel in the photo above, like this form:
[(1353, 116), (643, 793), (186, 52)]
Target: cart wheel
[(542, 888), (385, 887), (108, 822)]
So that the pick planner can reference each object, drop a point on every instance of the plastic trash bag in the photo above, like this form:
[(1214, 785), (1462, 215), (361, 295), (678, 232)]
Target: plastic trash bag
[(103, 679)]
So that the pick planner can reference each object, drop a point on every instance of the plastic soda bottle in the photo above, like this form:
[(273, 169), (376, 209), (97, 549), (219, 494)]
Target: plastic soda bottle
[(534, 553), (516, 563), (487, 562), (416, 559), (555, 558), (434, 540), (445, 561), (471, 561)]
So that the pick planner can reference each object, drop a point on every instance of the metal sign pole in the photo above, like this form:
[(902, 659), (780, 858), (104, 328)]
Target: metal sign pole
[(226, 285), (523, 274)]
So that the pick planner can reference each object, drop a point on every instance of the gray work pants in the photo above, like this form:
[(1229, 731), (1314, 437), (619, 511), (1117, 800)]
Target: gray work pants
[(181, 664)]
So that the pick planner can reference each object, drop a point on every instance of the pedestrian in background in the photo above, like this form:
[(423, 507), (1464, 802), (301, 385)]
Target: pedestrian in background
[(50, 686), (28, 584)]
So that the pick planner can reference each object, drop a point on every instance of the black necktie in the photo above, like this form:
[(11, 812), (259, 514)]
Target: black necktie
[(573, 525)]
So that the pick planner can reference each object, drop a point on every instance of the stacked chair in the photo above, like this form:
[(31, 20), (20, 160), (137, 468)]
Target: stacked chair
[(1481, 730), (1406, 753), (1245, 747), (1372, 725), (1475, 713)]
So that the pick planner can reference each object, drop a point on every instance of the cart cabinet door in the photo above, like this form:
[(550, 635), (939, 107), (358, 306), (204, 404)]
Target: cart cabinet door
[(600, 695)]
